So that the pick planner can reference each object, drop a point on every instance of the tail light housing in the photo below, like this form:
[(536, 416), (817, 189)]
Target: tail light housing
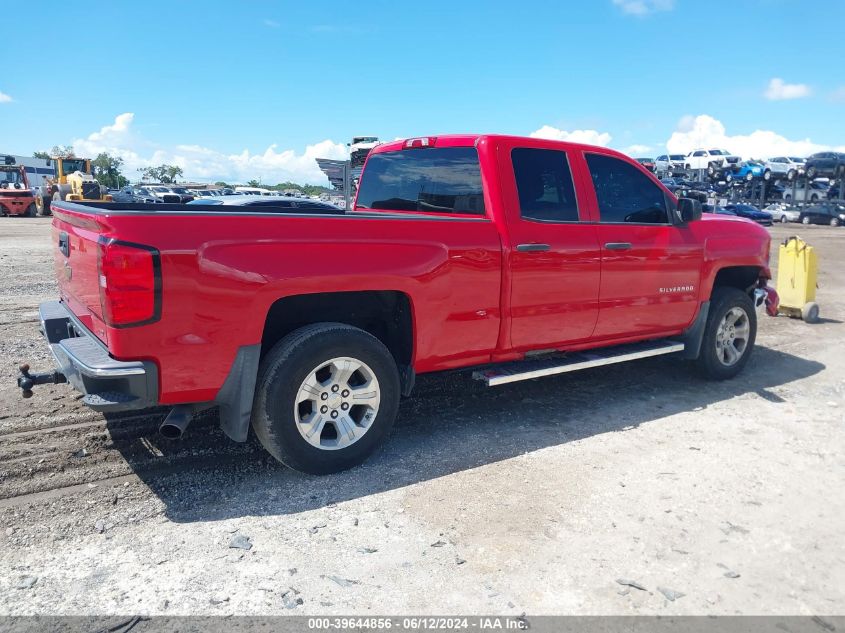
[(130, 283)]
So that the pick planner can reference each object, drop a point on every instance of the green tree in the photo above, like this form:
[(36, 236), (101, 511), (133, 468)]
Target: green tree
[(63, 151), (42, 155), (107, 170), (171, 172), (253, 183), (162, 173)]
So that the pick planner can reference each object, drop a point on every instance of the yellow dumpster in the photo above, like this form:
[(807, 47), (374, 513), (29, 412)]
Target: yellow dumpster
[(796, 287)]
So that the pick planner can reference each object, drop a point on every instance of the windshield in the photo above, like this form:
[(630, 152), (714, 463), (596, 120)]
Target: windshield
[(70, 165), (179, 190), (796, 160), (11, 179), (717, 152), (161, 189), (677, 157)]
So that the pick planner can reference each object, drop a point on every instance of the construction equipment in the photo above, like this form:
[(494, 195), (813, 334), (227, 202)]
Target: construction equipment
[(796, 285), (74, 180), (16, 197)]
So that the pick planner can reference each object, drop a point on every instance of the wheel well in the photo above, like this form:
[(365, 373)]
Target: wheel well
[(384, 314), (742, 277)]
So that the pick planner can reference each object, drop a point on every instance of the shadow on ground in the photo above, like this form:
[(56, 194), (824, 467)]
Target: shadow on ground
[(451, 424)]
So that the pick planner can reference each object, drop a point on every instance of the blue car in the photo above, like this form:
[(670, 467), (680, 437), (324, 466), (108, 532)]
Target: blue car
[(750, 212), (747, 171)]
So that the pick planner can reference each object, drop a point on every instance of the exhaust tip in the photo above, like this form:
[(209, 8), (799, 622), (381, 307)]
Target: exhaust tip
[(170, 431), (176, 422)]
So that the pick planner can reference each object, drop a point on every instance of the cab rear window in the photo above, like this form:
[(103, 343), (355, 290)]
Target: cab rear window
[(436, 179)]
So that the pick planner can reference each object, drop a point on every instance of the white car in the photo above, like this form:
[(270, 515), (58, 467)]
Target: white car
[(784, 166), (668, 163), (704, 158), (783, 213), (817, 191)]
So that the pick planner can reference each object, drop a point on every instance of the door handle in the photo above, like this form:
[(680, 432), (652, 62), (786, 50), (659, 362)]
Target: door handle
[(618, 246), (64, 244), (532, 248)]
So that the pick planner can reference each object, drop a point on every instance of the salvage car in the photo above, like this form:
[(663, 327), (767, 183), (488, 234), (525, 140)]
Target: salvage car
[(824, 213), (746, 171), (829, 164), (750, 212), (783, 166), (512, 257)]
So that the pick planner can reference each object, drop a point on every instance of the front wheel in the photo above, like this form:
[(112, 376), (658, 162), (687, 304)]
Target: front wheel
[(31, 211), (805, 219), (784, 219), (767, 175), (728, 335), (326, 398), (834, 221)]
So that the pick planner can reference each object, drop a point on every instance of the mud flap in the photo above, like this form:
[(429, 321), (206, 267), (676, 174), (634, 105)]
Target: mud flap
[(236, 394), (693, 336)]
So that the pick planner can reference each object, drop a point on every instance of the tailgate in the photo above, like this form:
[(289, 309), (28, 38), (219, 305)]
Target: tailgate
[(75, 248)]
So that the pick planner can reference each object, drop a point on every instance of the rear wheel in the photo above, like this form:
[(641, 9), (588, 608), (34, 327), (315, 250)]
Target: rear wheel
[(834, 221), (749, 176), (790, 175), (767, 175), (326, 398), (728, 335), (31, 211), (784, 219), (805, 219), (811, 172)]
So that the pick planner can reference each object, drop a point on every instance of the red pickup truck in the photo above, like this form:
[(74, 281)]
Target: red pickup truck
[(518, 257)]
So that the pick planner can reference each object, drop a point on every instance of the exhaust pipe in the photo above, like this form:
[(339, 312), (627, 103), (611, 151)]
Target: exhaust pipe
[(176, 422)]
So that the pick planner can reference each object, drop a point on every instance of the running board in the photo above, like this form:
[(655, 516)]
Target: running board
[(526, 370)]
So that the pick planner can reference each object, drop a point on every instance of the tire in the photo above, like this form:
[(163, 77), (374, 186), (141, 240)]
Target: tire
[(749, 177), (31, 211), (814, 198), (767, 175), (788, 198), (790, 175), (715, 361), (784, 219), (834, 221), (811, 173), (280, 414), (805, 219), (810, 312), (729, 178)]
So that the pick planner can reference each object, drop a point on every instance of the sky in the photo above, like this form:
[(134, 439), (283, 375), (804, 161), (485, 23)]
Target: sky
[(240, 90)]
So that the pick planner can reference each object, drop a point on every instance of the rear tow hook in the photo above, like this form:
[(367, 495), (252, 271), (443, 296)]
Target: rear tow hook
[(26, 381)]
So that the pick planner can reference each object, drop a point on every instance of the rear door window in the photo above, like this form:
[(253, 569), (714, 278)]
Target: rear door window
[(436, 179), (624, 193), (544, 185)]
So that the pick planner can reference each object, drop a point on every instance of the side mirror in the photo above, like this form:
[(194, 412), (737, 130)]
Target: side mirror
[(689, 210)]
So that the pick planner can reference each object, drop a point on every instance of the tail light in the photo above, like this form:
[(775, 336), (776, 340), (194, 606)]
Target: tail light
[(130, 283)]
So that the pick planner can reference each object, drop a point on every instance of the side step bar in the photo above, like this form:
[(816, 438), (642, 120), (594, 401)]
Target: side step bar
[(526, 370)]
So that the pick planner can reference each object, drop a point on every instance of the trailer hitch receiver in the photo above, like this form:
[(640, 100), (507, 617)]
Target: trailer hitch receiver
[(26, 380)]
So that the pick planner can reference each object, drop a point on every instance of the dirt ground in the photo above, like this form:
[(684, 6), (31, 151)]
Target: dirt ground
[(536, 497)]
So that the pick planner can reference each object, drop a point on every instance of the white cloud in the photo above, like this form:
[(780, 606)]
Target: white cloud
[(590, 137), (271, 23), (705, 131), (203, 163), (778, 90), (838, 95), (644, 7), (4, 98), (636, 150)]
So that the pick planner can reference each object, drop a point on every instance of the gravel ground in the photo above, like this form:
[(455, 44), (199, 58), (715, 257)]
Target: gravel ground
[(611, 491)]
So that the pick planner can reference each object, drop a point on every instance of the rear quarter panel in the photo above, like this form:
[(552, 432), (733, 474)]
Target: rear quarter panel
[(221, 273)]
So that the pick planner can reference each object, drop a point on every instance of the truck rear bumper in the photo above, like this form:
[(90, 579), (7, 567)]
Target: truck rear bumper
[(107, 384)]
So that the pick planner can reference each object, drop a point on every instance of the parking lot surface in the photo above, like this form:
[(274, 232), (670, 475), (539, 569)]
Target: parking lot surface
[(537, 497)]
